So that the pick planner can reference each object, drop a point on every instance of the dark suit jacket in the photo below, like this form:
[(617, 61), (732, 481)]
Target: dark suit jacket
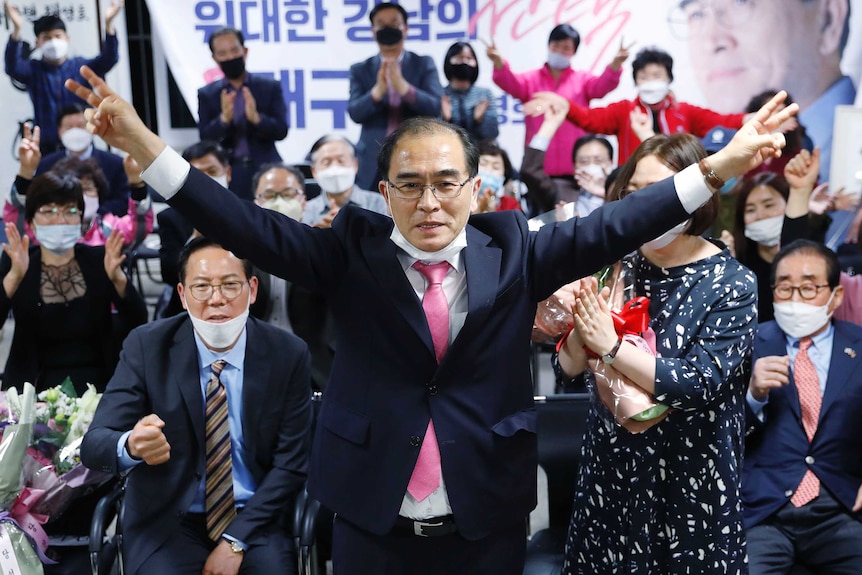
[(421, 73), (775, 450), (158, 373), (262, 137), (386, 382), (117, 202)]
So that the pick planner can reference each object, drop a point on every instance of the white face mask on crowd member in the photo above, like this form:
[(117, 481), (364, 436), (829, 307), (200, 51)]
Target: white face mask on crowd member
[(799, 319), (653, 92), (55, 49), (766, 232), (336, 179), (76, 139), (58, 238), (667, 237)]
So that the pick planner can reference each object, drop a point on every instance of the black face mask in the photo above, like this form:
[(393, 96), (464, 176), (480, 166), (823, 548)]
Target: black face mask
[(464, 72), (233, 69), (389, 36)]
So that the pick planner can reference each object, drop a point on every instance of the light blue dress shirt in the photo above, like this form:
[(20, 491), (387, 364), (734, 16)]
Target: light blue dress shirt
[(820, 354)]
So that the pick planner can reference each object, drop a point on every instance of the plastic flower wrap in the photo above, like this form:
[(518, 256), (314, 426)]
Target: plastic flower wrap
[(633, 407), (62, 418), (554, 315), (20, 532)]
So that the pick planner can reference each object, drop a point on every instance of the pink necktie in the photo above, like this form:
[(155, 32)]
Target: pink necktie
[(808, 389), (426, 474)]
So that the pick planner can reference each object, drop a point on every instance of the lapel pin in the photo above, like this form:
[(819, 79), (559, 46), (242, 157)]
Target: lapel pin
[(850, 351)]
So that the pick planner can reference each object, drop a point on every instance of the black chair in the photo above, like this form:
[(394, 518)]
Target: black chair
[(106, 551), (561, 420)]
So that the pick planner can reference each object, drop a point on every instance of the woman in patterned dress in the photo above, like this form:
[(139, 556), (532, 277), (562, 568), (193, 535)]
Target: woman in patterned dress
[(667, 500)]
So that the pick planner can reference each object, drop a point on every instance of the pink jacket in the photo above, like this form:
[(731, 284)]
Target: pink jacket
[(851, 308), (99, 230), (574, 85), (674, 117)]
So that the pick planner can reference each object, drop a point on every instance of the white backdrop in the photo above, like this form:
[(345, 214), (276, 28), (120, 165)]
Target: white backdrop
[(82, 24), (309, 46)]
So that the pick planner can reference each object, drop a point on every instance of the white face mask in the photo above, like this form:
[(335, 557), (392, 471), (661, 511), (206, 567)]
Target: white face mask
[(291, 207), (799, 319), (667, 237), (55, 49), (336, 179), (653, 92), (58, 238), (220, 335), (76, 139), (91, 206), (222, 180), (558, 61), (594, 170), (765, 232)]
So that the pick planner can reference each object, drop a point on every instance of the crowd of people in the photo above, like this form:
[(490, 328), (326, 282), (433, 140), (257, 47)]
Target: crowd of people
[(400, 276)]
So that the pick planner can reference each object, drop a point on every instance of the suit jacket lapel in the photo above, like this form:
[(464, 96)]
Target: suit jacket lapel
[(841, 366), (774, 342), (186, 378), (255, 383), (482, 263), (382, 257)]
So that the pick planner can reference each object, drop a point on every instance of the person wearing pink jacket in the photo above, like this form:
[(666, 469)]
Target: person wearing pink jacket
[(557, 75)]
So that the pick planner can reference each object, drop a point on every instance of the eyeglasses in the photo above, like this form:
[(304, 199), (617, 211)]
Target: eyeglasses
[(806, 291), (286, 194), (69, 215), (415, 190), (229, 290), (688, 18)]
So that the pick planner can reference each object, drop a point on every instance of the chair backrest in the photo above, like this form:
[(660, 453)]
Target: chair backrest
[(561, 420)]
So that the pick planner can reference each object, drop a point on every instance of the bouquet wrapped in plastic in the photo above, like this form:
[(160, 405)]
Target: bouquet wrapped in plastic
[(633, 407), (43, 475), (22, 540), (54, 461)]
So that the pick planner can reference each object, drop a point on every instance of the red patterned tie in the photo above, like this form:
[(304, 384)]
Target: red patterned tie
[(808, 389), (219, 479), (426, 474)]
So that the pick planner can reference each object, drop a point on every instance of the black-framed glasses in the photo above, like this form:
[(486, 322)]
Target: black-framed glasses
[(287, 194), (806, 290), (229, 290), (415, 190), (69, 215), (688, 18)]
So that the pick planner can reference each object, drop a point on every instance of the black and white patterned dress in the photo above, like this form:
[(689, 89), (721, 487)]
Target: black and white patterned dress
[(667, 500)]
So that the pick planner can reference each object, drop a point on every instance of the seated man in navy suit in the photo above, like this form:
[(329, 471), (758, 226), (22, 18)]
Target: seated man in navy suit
[(803, 451), (209, 414), (78, 143), (425, 447)]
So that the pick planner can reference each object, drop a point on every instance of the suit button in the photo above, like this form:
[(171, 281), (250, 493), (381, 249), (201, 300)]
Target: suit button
[(809, 460), (415, 440), (432, 390), (198, 476), (788, 493), (180, 513)]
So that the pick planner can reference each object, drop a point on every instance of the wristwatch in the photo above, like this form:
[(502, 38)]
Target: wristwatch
[(234, 546), (609, 357)]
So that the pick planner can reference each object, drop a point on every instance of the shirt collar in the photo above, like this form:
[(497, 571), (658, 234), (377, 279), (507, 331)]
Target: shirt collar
[(451, 253), (235, 356), (818, 341), (88, 153)]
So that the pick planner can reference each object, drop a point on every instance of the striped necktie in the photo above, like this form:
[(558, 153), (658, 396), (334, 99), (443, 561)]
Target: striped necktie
[(219, 479)]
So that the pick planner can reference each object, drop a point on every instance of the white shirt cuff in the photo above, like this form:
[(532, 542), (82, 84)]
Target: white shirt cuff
[(540, 143), (167, 173), (691, 188)]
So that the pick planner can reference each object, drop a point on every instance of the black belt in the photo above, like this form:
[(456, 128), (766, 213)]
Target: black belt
[(431, 527)]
